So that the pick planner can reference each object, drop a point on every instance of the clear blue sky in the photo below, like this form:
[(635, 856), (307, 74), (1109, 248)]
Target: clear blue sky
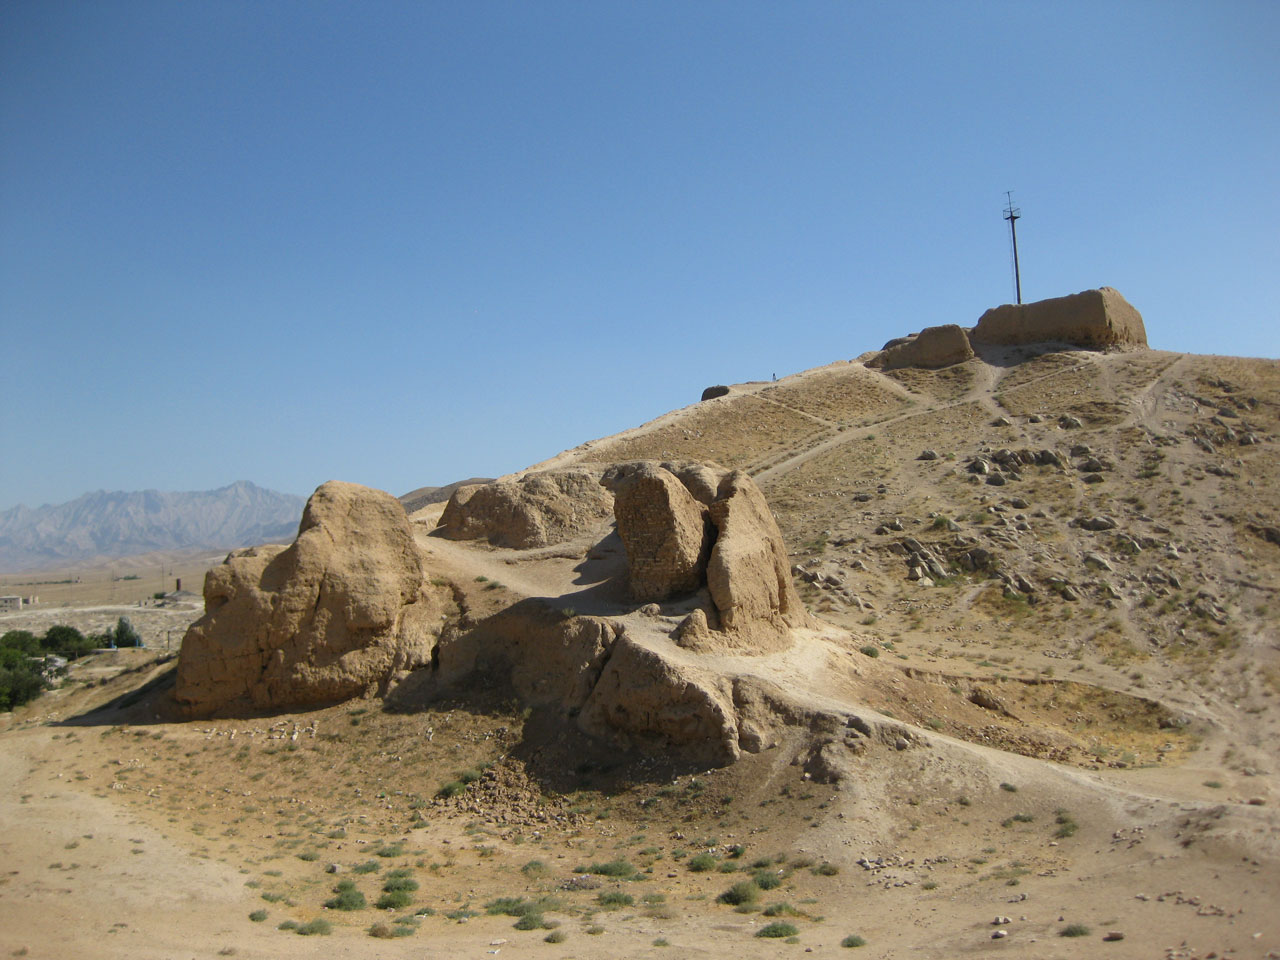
[(406, 243)]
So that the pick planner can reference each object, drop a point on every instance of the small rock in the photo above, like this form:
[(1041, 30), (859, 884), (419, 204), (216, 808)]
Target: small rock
[(996, 480), (999, 934), (1093, 478), (333, 868), (1000, 921), (901, 743), (653, 610), (928, 455), (1070, 423), (1035, 418), (1113, 936), (1257, 801), (1001, 422)]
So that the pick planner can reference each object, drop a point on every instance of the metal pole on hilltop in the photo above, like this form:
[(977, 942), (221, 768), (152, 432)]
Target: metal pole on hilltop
[(1012, 213)]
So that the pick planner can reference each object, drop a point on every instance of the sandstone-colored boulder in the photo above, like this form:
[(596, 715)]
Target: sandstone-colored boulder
[(547, 658), (648, 701), (748, 572), (340, 613), (664, 529), (931, 348), (536, 510), (1097, 319)]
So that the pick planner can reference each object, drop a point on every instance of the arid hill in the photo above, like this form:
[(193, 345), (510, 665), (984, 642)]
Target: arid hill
[(949, 654)]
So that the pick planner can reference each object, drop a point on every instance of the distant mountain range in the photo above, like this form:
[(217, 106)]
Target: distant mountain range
[(100, 525)]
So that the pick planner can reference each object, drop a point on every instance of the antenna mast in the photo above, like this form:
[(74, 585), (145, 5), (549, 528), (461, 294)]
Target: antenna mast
[(1012, 213)]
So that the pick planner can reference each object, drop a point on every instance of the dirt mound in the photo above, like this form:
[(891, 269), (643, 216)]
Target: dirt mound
[(931, 348), (1095, 318), (536, 510), (335, 615)]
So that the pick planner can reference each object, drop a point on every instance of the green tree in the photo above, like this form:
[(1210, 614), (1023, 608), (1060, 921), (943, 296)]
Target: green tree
[(126, 635), (23, 640), (20, 677), (66, 642)]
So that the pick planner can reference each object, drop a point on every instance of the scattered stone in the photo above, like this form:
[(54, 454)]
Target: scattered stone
[(1113, 935), (1098, 561), (979, 466), (928, 455), (1070, 423), (1100, 522), (1001, 422), (999, 934), (1000, 921)]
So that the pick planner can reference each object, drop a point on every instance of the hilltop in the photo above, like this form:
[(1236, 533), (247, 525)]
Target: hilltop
[(1015, 679)]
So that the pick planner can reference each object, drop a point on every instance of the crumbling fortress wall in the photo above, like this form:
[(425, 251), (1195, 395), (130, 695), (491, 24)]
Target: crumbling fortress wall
[(1097, 319)]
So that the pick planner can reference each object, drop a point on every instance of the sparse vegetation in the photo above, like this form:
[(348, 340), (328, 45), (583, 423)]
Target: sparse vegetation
[(777, 930)]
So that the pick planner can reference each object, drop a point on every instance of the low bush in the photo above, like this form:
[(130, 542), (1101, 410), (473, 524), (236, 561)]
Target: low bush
[(744, 891), (777, 930), (348, 897)]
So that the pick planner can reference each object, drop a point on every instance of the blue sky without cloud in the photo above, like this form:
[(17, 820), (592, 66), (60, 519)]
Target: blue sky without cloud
[(406, 243)]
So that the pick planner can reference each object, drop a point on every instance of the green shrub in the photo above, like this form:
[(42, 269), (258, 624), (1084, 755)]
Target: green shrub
[(777, 930), (258, 916), (853, 940), (614, 868), (399, 880), (394, 900), (511, 907), (348, 897), (534, 869), (556, 936), (780, 910), (615, 899), (388, 931), (1008, 787), (870, 650), (369, 866), (767, 880), (317, 927), (826, 870), (702, 863), (1074, 930), (390, 850), (744, 891), (530, 921)]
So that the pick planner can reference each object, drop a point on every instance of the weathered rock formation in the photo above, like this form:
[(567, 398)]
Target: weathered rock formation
[(537, 510), (1095, 318), (719, 390), (675, 544), (340, 613), (931, 348), (748, 573), (666, 531)]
